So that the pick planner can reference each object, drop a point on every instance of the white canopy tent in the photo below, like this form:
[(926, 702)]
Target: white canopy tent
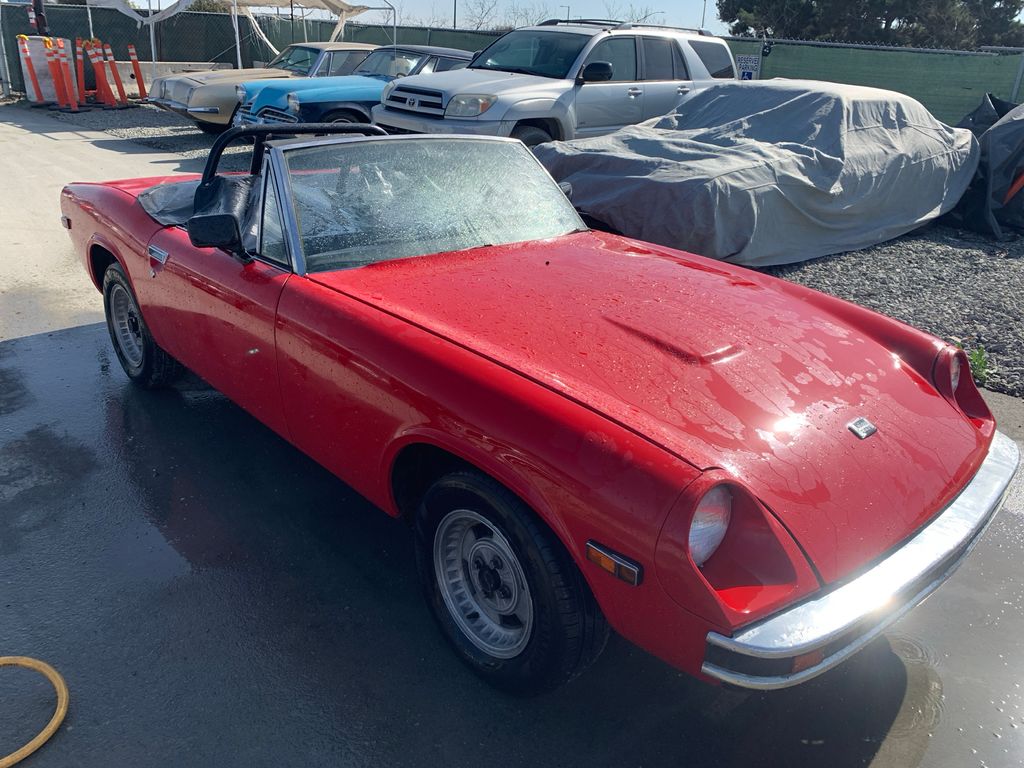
[(344, 11)]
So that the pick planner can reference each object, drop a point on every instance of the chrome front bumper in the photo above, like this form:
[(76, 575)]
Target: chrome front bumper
[(804, 641)]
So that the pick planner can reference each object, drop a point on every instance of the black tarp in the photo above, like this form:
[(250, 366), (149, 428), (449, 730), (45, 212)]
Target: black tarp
[(995, 200)]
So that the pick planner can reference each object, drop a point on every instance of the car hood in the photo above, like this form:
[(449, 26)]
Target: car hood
[(342, 88), (487, 81), (235, 76), (721, 366)]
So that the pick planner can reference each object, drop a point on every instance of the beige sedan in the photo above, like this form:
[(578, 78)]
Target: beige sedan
[(209, 98)]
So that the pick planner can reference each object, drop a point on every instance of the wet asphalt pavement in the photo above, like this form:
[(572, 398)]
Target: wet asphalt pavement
[(214, 598)]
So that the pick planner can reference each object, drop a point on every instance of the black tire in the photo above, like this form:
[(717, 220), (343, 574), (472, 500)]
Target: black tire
[(212, 129), (343, 116), (151, 369), (531, 135), (567, 630)]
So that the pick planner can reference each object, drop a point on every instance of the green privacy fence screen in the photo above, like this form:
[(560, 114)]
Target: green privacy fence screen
[(949, 83)]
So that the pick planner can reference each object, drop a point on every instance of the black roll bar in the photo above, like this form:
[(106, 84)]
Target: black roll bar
[(263, 133)]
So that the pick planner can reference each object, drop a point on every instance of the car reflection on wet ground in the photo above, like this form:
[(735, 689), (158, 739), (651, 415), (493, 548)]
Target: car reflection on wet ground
[(213, 597)]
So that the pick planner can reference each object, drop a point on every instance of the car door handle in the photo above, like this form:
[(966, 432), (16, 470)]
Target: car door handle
[(158, 254), (682, 90), (634, 92)]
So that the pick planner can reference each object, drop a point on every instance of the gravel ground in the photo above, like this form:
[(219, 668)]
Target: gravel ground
[(958, 285)]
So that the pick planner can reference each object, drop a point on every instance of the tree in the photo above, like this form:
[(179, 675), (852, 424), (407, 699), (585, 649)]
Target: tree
[(926, 23), (479, 14), (211, 6), (523, 14), (623, 12)]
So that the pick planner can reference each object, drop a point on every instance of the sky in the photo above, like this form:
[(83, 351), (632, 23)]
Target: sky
[(681, 13)]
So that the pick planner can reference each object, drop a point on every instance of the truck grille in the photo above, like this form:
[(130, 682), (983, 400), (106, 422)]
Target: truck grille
[(422, 101)]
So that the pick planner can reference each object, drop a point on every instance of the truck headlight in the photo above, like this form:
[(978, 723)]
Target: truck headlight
[(293, 103), (387, 91), (710, 522), (469, 105)]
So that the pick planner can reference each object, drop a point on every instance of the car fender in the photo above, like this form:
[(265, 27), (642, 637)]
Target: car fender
[(487, 462), (314, 112), (559, 109)]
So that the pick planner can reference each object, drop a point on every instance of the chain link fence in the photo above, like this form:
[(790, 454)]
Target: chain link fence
[(949, 83)]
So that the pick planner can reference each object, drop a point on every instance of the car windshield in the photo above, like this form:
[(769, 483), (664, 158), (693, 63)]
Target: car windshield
[(390, 63), (533, 52), (361, 202), (295, 58)]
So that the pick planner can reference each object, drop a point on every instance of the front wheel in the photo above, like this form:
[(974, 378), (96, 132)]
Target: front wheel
[(503, 590), (213, 129), (531, 135), (342, 116), (145, 362)]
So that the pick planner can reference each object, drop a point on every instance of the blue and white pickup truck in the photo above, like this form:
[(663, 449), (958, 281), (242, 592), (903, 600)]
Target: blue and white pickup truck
[(347, 99)]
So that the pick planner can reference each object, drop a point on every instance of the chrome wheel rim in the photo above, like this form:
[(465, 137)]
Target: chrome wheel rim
[(483, 584), (127, 324)]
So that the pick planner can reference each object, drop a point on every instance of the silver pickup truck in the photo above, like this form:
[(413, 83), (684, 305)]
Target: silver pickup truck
[(559, 80)]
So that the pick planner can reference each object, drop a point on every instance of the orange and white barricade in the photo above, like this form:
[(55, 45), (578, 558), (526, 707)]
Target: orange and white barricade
[(64, 64), (36, 94), (115, 75), (103, 91), (80, 70), (137, 70), (53, 64)]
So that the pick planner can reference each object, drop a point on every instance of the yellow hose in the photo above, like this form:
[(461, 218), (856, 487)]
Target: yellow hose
[(58, 715)]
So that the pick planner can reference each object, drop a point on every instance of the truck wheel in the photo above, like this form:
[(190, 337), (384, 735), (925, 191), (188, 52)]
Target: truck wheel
[(503, 590), (146, 364), (531, 135)]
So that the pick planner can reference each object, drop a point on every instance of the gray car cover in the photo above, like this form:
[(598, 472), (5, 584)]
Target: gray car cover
[(771, 172)]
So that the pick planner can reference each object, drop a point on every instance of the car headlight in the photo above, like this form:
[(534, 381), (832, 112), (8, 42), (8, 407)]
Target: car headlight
[(240, 92), (710, 522), (188, 95), (469, 105), (293, 103)]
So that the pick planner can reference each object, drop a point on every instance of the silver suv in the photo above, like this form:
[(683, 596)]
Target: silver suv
[(559, 80)]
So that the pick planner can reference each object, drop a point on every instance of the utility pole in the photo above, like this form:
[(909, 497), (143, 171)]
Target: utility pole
[(566, 11), (703, 14), (455, 14)]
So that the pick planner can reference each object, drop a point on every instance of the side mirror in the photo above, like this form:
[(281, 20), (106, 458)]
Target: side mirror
[(596, 72), (215, 230), (566, 188)]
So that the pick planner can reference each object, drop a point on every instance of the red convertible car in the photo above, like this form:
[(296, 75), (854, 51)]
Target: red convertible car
[(747, 478)]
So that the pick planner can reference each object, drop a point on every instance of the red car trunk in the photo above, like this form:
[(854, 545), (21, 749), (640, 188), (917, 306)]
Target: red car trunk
[(711, 363)]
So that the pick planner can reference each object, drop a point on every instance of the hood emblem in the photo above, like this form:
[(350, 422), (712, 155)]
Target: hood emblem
[(411, 103), (862, 428)]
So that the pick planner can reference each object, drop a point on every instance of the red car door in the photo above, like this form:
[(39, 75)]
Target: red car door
[(216, 315)]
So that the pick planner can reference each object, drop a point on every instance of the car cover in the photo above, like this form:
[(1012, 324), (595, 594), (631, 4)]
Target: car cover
[(771, 172), (995, 198)]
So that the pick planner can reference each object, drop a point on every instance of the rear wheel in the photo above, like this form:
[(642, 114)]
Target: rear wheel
[(531, 135), (503, 590), (146, 364)]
